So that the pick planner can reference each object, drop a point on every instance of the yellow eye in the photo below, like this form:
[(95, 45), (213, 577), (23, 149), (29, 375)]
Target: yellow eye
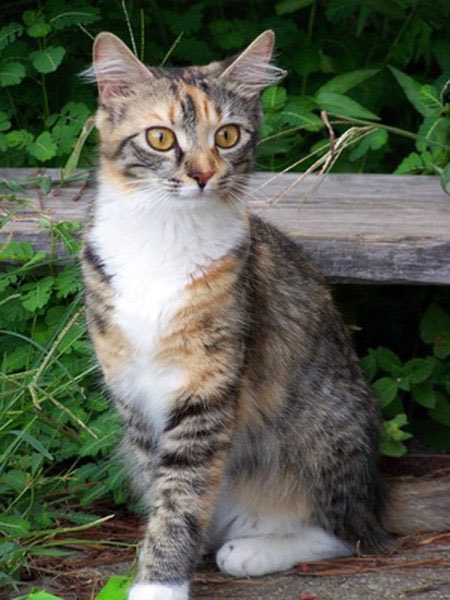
[(161, 138), (227, 136)]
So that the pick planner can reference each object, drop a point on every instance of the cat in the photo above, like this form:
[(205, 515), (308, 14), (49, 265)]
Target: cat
[(249, 428)]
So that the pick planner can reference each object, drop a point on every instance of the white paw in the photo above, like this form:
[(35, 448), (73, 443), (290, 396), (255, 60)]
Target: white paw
[(158, 591), (245, 557)]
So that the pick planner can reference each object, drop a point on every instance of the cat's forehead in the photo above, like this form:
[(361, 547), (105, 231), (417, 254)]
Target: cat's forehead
[(184, 98)]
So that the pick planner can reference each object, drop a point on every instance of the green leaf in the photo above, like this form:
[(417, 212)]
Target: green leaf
[(423, 394), (394, 427), (16, 251), (369, 365), (412, 90), (48, 60), (32, 441), (5, 123), (346, 81), (412, 163), (115, 589), (386, 359), (10, 553), (394, 436), (445, 178), (418, 370), (310, 61), (37, 26), (434, 129), (83, 15), (9, 33), (39, 29), (14, 526), (285, 7), (274, 98), (386, 390), (19, 138), (441, 411), (429, 97), (435, 330), (42, 596), (11, 73), (30, 16), (49, 552), (390, 447), (373, 141), (39, 294), (44, 147), (15, 479), (295, 115), (68, 281), (343, 105)]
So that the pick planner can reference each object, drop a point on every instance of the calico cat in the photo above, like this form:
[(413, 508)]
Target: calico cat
[(249, 428)]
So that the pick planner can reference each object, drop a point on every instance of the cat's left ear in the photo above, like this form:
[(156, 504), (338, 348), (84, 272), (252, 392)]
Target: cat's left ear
[(252, 70)]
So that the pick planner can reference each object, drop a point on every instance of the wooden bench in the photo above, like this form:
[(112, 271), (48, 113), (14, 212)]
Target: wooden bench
[(358, 228)]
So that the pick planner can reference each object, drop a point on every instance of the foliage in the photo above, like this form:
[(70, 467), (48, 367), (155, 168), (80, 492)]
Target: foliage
[(403, 334), (115, 589), (57, 434), (420, 385), (382, 63)]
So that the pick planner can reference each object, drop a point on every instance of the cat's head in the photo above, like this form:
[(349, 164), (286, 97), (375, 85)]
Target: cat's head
[(191, 132)]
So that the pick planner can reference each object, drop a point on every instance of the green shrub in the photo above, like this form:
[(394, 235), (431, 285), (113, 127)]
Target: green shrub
[(57, 433), (385, 64)]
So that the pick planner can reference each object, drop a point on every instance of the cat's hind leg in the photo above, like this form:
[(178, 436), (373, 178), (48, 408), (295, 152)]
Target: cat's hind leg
[(257, 545)]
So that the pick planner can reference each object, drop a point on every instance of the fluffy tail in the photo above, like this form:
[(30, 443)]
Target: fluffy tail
[(418, 504)]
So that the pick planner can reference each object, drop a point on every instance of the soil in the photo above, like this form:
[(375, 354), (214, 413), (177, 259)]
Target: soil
[(418, 567)]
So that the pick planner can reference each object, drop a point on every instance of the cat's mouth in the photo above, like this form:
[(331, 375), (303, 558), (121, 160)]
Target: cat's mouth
[(197, 194)]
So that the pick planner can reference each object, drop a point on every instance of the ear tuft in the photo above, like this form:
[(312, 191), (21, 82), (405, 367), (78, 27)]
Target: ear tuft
[(252, 69), (115, 68)]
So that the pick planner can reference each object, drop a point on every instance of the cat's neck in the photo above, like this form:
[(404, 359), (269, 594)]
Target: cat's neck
[(176, 234)]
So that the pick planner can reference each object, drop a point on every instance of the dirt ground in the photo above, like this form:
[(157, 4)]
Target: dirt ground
[(417, 568)]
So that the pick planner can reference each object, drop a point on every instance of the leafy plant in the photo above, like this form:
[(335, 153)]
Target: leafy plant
[(57, 433), (352, 60), (31, 52), (430, 103), (415, 394)]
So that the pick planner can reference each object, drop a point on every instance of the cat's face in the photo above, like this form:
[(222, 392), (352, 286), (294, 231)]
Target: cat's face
[(189, 132)]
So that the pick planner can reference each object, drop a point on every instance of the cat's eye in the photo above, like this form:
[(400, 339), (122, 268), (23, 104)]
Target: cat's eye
[(161, 138), (227, 136)]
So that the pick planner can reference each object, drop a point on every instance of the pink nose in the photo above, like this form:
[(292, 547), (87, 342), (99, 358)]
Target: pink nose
[(201, 177)]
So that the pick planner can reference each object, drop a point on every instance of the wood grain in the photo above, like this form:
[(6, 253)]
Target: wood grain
[(358, 228)]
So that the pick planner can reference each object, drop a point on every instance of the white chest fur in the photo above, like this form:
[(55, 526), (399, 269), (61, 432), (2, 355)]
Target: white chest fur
[(152, 252)]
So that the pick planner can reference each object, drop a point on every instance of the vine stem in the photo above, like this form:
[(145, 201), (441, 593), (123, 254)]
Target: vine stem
[(343, 120), (390, 128)]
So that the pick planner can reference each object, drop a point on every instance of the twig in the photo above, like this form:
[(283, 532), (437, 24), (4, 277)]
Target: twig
[(324, 117)]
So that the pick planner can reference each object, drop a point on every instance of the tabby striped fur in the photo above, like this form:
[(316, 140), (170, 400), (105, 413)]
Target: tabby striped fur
[(248, 425)]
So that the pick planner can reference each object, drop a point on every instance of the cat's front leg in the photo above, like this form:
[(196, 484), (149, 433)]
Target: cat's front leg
[(190, 464)]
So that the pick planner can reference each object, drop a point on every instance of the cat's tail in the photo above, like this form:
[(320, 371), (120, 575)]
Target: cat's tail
[(417, 504)]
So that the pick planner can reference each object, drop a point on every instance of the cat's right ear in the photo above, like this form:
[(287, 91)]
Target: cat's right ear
[(115, 68)]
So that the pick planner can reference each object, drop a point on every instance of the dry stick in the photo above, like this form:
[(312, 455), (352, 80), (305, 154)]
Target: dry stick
[(324, 117), (326, 161)]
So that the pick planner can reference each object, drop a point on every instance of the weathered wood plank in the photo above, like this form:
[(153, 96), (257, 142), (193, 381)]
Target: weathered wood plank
[(358, 228)]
